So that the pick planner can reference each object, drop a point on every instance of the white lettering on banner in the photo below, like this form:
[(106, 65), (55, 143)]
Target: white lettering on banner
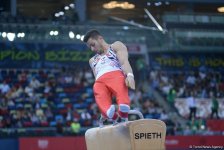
[(172, 142), (43, 144)]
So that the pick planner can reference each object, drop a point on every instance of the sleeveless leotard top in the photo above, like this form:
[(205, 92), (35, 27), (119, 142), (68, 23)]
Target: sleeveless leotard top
[(105, 63)]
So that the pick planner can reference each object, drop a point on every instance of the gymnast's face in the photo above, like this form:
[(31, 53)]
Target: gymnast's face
[(95, 44)]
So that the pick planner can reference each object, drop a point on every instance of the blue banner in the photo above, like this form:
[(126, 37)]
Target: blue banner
[(42, 55), (187, 61), (9, 144)]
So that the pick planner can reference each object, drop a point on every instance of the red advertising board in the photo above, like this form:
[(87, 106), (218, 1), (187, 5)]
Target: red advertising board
[(216, 124), (78, 143), (194, 142), (52, 143)]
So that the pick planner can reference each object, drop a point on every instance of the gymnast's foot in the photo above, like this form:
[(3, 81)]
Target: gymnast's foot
[(102, 119)]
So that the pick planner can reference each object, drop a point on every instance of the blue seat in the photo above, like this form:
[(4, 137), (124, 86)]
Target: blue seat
[(156, 116), (149, 116), (43, 100), (89, 91), (76, 106), (62, 95), (18, 106), (58, 117), (53, 123), (11, 107), (60, 106), (80, 106), (89, 100)]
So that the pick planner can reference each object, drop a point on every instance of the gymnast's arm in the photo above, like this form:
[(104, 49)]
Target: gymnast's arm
[(122, 55)]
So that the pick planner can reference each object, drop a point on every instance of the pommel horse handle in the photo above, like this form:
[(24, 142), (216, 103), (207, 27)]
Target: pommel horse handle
[(136, 112)]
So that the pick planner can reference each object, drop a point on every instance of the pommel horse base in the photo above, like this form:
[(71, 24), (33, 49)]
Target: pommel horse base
[(142, 134)]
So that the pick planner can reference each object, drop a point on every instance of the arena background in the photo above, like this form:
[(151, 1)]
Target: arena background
[(46, 84)]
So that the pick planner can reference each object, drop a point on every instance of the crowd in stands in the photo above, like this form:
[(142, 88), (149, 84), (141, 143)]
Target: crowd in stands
[(63, 98), (202, 83), (59, 98), (196, 96)]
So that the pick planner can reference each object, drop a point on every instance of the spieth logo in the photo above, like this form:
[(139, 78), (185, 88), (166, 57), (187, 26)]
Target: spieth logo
[(43, 144), (150, 135)]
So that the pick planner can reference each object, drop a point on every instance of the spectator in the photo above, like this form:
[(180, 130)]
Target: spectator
[(181, 91), (4, 87), (29, 90), (88, 76), (215, 108), (76, 115), (12, 94), (171, 96), (166, 88), (187, 130), (68, 78), (34, 83), (69, 115), (49, 114), (191, 102), (194, 125), (75, 127), (202, 75), (86, 118), (19, 90), (77, 79), (35, 120), (163, 115), (191, 79), (22, 78), (59, 127)]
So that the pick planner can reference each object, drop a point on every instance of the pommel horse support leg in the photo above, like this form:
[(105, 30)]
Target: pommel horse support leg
[(142, 134)]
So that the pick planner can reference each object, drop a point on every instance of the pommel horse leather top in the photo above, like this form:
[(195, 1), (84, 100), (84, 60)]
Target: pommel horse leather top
[(142, 134)]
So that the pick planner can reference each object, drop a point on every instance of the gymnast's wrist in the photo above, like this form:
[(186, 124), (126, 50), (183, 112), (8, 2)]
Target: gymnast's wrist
[(130, 75)]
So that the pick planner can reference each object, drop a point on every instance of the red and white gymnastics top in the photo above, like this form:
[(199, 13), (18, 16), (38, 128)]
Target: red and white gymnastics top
[(108, 62)]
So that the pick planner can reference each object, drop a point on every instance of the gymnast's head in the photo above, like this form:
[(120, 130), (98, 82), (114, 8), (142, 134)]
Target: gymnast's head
[(94, 41)]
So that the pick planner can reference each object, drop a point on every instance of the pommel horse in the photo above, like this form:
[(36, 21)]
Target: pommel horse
[(142, 134)]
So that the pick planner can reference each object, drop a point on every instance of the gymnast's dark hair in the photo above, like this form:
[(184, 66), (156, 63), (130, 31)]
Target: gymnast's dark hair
[(91, 34)]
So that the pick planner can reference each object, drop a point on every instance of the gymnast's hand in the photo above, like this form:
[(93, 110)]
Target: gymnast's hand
[(130, 82)]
